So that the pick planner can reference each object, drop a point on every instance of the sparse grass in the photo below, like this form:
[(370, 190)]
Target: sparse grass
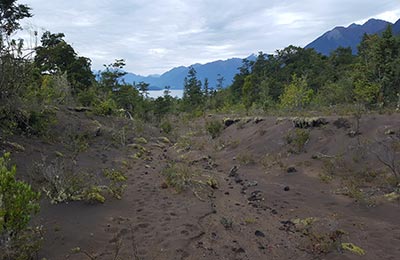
[(245, 158), (214, 128), (297, 140)]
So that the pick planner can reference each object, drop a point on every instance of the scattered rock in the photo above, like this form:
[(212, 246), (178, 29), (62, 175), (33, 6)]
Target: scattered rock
[(291, 169), (252, 184), (342, 123), (353, 133), (287, 188), (258, 233), (233, 171), (255, 196)]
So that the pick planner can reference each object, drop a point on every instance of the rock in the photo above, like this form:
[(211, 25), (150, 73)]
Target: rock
[(164, 186), (255, 196), (287, 188), (258, 120), (233, 171), (353, 133), (258, 233), (291, 169), (238, 179), (252, 184)]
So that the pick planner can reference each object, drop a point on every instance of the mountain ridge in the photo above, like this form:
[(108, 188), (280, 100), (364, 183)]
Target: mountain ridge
[(349, 36)]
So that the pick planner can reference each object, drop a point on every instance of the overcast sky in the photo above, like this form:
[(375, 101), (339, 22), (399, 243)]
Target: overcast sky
[(154, 36)]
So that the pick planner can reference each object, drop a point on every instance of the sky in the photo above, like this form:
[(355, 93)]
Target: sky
[(155, 36)]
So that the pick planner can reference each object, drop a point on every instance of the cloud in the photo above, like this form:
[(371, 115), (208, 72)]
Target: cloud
[(154, 36)]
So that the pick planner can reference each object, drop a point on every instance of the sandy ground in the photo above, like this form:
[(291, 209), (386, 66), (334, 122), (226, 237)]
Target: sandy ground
[(268, 204)]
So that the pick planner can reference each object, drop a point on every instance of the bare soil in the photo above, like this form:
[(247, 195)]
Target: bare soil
[(270, 202)]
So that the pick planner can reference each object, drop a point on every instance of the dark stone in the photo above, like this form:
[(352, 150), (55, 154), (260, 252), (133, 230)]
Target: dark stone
[(287, 188), (233, 171), (258, 233), (291, 169)]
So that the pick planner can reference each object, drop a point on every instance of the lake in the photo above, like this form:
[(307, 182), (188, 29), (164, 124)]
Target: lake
[(159, 93)]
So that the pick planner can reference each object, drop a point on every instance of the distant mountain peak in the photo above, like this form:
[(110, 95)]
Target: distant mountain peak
[(348, 36), (175, 77)]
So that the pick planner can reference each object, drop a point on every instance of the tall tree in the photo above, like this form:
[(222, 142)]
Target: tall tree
[(56, 56), (192, 94)]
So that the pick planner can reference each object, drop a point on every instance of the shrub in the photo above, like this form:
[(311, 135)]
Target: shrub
[(297, 139), (17, 202), (214, 128), (166, 127)]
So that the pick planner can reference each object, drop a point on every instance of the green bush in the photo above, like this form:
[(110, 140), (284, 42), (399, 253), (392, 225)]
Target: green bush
[(17, 202), (106, 107), (166, 127), (297, 140), (214, 128)]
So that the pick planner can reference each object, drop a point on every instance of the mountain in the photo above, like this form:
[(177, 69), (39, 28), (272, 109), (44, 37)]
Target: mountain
[(175, 77), (349, 36)]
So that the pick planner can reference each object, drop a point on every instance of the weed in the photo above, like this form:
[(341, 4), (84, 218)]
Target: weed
[(214, 128), (245, 158), (117, 181), (297, 139)]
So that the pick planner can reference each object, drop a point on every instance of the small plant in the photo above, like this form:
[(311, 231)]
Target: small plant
[(177, 176), (227, 223), (17, 202), (297, 140), (245, 158), (166, 127), (214, 128), (117, 181)]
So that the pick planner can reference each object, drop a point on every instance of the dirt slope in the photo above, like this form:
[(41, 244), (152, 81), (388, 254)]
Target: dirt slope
[(272, 201)]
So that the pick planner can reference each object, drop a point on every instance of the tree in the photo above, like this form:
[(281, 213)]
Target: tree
[(10, 15), (297, 94), (192, 94), (143, 88), (110, 78), (56, 56), (14, 70)]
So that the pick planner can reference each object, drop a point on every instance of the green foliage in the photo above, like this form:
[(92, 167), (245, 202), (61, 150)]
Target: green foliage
[(177, 176), (105, 107), (166, 126), (192, 94), (214, 128), (297, 139), (353, 248), (117, 182), (296, 95), (17, 202), (56, 56)]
